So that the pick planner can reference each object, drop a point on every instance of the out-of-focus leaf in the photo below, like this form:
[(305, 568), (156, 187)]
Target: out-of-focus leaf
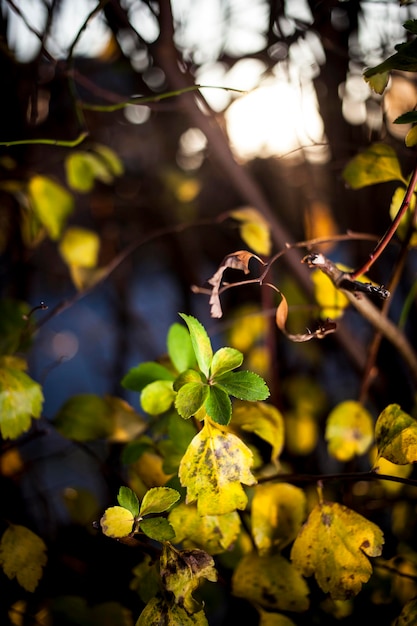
[(52, 204), (349, 430), (332, 545), (157, 528), (157, 397), (254, 229), (158, 500), (411, 137), (301, 433), (80, 247), (200, 342), (396, 435), (128, 500), (182, 571), (110, 614), (21, 399), (146, 579), (270, 582), (403, 226), (22, 556), (141, 375), (84, 417), (376, 164), (12, 325), (174, 615), (274, 619), (408, 615), (213, 469), (117, 522), (113, 163), (83, 168), (264, 420), (180, 348), (213, 533), (331, 300), (278, 511), (127, 423)]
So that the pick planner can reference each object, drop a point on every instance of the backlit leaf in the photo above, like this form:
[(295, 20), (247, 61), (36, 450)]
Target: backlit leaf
[(218, 406), (21, 399), (182, 571), (244, 385), (128, 500), (376, 164), (141, 375), (117, 522), (190, 398), (180, 348), (349, 430), (332, 545), (278, 511), (254, 229), (157, 528), (157, 397), (396, 435), (83, 168), (264, 420), (80, 247), (113, 163), (172, 615), (270, 582), (52, 204), (22, 556), (224, 360), (158, 500), (201, 343), (213, 533), (213, 468), (127, 423), (84, 417), (331, 300)]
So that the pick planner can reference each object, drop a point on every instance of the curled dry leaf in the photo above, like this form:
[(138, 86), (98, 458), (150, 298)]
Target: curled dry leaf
[(236, 260), (325, 327)]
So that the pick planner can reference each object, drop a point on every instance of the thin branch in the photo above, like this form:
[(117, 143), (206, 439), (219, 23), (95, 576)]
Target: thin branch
[(49, 142), (89, 17)]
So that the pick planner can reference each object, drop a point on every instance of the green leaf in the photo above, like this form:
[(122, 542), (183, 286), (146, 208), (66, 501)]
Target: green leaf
[(12, 325), (129, 500), (80, 247), (278, 511), (224, 360), (112, 161), (407, 118), (405, 60), (180, 348), (117, 522), (190, 398), (52, 204), (213, 533), (83, 168), (182, 572), (265, 421), (396, 435), (158, 500), (332, 545), (213, 468), (271, 582), (146, 581), (189, 376), (244, 385), (157, 397), (141, 375), (218, 406), (349, 430), (84, 417), (200, 342), (22, 556), (174, 615), (377, 164), (157, 528), (21, 398)]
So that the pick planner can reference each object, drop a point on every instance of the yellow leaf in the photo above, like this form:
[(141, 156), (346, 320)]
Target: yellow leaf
[(411, 137), (117, 522), (332, 301), (182, 571), (264, 420), (349, 430), (396, 435), (51, 203), (278, 510), (301, 433), (254, 229), (408, 615), (274, 619), (86, 277), (80, 247), (403, 226), (213, 468), (158, 609), (270, 582), (149, 469), (332, 545), (22, 556), (212, 533)]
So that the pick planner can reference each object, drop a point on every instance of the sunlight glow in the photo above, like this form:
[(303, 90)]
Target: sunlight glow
[(274, 120)]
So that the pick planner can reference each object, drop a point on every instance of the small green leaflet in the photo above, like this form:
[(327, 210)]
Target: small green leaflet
[(219, 406), (158, 500), (224, 360), (21, 398), (201, 343), (129, 500), (141, 375), (180, 348)]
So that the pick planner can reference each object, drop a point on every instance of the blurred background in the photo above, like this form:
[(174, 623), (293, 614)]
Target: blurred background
[(282, 109)]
